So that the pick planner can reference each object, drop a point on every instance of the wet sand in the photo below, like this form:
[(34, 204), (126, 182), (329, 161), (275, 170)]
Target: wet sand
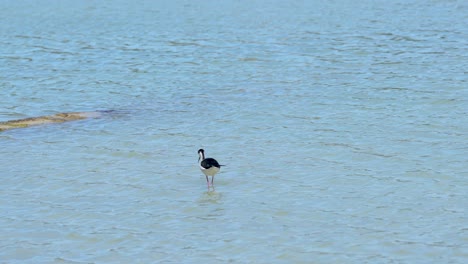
[(50, 119)]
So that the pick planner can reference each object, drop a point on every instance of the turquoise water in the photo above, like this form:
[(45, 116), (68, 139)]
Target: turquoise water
[(343, 127)]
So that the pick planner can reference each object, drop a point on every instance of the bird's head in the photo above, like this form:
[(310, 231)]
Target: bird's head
[(201, 154)]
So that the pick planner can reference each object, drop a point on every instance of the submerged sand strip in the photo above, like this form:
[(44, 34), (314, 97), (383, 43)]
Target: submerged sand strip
[(41, 120)]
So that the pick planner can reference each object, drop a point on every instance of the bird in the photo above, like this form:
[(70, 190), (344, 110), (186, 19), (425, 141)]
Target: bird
[(208, 166)]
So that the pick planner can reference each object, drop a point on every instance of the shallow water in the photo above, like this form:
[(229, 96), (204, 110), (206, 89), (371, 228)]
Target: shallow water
[(343, 128)]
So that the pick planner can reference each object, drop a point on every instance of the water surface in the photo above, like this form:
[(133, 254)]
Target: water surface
[(343, 127)]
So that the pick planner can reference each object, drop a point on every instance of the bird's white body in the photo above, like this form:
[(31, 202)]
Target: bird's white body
[(209, 172)]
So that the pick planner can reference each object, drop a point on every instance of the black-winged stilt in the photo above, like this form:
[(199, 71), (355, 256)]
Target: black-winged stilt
[(208, 166)]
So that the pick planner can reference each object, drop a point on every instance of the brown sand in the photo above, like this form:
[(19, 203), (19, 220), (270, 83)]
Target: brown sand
[(41, 120)]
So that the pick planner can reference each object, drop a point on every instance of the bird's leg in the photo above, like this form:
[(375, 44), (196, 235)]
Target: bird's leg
[(212, 179), (207, 181)]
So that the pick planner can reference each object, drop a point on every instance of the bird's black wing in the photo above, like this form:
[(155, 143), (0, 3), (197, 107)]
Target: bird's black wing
[(209, 162)]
